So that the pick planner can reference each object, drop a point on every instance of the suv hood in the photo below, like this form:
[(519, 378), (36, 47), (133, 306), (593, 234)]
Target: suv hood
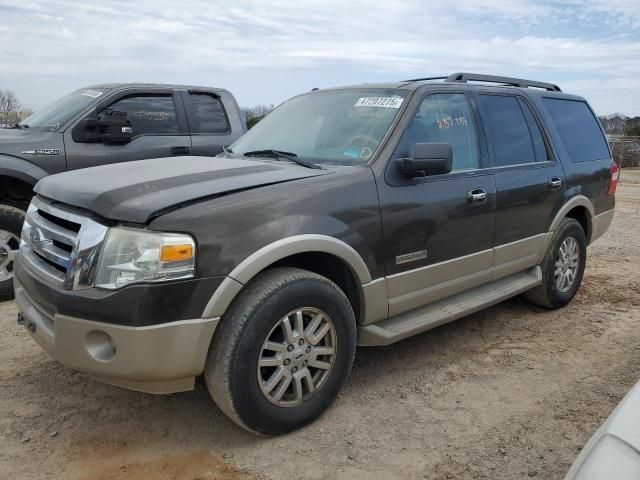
[(138, 191)]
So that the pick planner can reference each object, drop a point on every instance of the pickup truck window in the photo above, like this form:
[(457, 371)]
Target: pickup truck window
[(578, 128), (507, 130), (209, 114), (149, 114), (61, 111), (343, 127), (444, 118)]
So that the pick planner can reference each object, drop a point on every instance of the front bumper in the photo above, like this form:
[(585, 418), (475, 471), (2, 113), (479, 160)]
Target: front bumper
[(160, 358)]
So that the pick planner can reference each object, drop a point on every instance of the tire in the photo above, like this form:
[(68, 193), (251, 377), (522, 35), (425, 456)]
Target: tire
[(11, 220), (232, 375), (549, 294)]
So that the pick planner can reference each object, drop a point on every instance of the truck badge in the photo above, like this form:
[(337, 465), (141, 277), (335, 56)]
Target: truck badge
[(42, 151)]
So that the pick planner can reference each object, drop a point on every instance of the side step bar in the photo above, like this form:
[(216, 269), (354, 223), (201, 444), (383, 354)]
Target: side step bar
[(436, 314)]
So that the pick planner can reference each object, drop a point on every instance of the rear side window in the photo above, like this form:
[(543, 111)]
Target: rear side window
[(539, 146), (578, 128), (149, 114), (209, 114), (507, 130)]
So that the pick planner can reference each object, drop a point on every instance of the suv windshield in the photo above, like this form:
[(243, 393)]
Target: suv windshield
[(60, 112), (343, 127)]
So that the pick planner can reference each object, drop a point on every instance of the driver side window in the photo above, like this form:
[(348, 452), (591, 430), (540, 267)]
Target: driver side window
[(445, 118), (148, 114)]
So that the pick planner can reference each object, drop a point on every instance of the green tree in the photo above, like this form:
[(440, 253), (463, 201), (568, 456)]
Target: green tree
[(632, 127), (253, 115)]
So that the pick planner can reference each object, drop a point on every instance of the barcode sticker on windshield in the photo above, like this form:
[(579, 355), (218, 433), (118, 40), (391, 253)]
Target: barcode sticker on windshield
[(92, 93), (382, 102)]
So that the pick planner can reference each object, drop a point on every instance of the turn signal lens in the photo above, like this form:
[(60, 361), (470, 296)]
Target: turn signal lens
[(172, 253)]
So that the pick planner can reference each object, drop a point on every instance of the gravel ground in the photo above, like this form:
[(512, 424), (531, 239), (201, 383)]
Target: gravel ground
[(511, 392)]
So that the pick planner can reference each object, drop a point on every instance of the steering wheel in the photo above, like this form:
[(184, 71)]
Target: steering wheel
[(366, 143)]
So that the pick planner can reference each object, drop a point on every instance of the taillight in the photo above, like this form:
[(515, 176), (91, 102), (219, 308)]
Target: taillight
[(613, 180)]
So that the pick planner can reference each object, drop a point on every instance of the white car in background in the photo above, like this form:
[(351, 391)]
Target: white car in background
[(613, 453)]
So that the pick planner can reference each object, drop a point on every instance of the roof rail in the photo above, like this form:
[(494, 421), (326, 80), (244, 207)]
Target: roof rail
[(514, 82), (424, 79)]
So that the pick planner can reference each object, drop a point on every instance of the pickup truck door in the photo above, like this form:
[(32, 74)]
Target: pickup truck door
[(438, 230), (530, 184), (159, 128), (209, 123)]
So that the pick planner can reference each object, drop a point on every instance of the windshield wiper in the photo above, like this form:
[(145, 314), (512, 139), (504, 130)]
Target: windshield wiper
[(292, 157)]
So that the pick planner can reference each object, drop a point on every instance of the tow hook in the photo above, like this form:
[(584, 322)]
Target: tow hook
[(26, 323)]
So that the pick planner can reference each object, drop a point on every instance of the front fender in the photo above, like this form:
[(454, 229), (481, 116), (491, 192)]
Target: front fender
[(21, 169), (278, 250)]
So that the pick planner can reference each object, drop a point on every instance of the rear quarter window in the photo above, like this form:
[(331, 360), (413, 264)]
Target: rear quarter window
[(578, 128)]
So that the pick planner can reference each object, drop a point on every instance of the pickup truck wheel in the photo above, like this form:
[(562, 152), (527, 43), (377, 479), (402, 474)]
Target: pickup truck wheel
[(562, 267), (11, 219), (282, 351)]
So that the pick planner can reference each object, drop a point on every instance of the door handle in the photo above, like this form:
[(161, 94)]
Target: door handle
[(477, 195), (555, 182), (180, 150)]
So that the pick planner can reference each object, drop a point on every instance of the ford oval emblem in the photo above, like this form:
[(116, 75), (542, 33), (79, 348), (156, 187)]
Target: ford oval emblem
[(34, 236), (37, 238)]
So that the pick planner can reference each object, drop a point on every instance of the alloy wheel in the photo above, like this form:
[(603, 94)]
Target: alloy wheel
[(567, 264), (297, 357)]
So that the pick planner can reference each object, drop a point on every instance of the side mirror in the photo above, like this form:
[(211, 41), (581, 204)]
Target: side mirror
[(111, 129), (426, 159)]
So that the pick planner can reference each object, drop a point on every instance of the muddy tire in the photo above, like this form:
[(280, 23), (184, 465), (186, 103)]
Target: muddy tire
[(562, 267), (282, 351), (11, 220)]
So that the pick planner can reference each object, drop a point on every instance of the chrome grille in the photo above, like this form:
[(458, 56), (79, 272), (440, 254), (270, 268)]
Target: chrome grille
[(61, 246)]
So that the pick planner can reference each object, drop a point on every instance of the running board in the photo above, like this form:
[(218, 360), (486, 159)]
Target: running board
[(430, 316)]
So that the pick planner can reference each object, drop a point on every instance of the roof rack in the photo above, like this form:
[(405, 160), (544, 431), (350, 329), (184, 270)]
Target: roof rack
[(424, 79), (514, 82)]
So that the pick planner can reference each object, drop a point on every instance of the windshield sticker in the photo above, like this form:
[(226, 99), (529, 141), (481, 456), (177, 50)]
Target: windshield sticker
[(353, 152), (379, 102), (92, 93)]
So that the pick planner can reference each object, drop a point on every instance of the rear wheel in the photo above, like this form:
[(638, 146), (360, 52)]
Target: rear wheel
[(562, 267), (11, 220), (282, 351)]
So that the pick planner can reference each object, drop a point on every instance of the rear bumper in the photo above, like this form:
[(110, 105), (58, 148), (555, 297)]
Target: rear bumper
[(163, 358)]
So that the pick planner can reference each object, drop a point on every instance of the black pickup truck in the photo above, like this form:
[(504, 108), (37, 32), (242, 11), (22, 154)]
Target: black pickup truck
[(354, 215), (105, 124)]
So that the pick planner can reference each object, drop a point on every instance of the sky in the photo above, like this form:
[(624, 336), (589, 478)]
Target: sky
[(267, 51)]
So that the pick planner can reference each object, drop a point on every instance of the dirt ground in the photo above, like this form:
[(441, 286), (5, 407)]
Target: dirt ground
[(511, 392)]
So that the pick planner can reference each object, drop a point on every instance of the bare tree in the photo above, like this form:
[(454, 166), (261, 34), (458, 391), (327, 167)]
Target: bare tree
[(2, 102), (9, 107)]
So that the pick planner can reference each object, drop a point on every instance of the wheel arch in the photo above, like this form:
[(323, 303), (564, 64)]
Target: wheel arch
[(18, 178), (320, 254), (579, 208)]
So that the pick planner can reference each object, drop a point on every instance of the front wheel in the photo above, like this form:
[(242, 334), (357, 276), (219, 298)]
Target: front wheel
[(282, 351), (562, 267), (11, 220)]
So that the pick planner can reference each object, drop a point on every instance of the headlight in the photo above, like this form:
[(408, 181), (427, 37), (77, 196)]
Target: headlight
[(130, 256)]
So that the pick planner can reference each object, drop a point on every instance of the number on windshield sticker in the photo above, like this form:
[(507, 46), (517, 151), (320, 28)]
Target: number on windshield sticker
[(380, 102)]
